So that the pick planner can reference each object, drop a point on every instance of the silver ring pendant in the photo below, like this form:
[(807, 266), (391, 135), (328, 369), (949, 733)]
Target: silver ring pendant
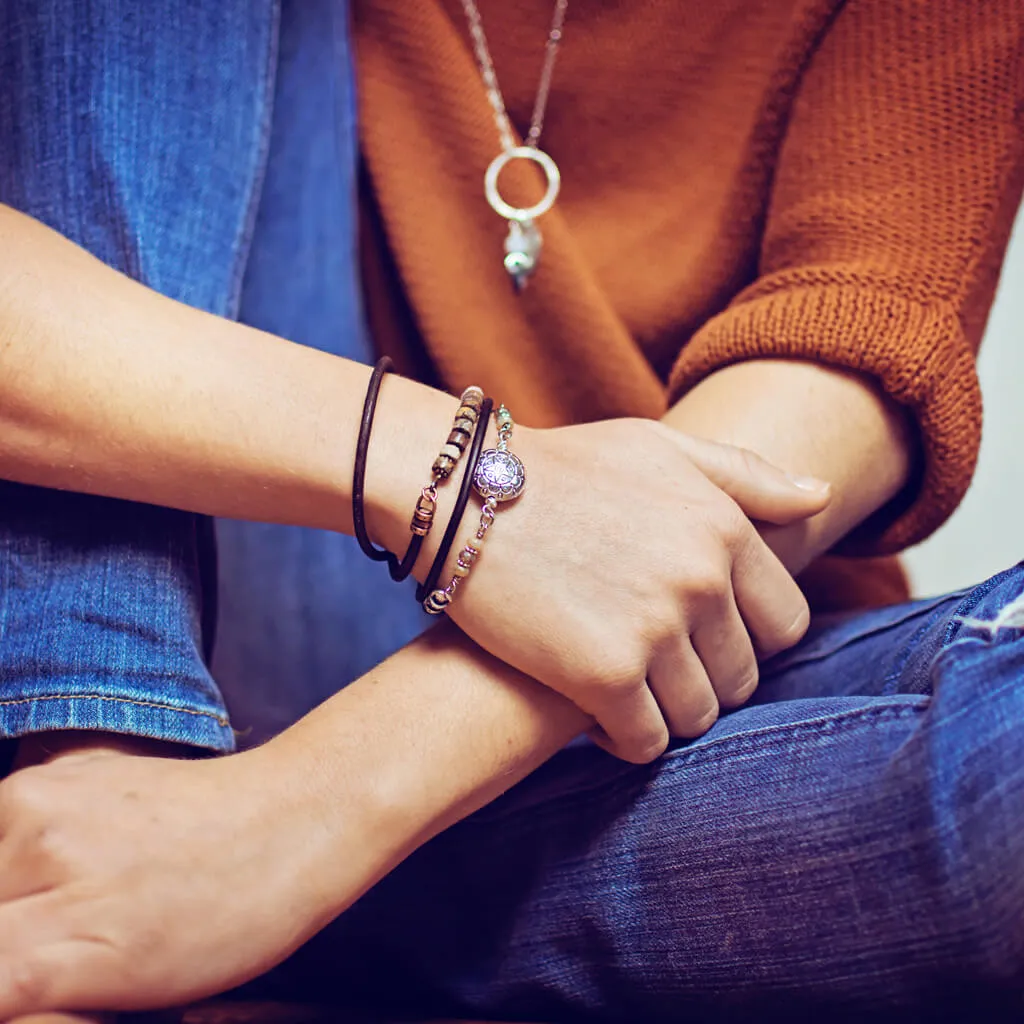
[(523, 243), (522, 213)]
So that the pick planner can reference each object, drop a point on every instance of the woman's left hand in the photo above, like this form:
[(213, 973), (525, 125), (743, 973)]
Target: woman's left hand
[(131, 883)]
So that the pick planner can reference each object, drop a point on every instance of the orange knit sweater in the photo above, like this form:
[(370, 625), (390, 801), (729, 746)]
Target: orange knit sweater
[(742, 179)]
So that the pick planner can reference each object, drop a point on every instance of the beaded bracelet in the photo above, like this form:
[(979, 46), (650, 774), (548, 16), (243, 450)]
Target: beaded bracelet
[(426, 505), (461, 501), (498, 476)]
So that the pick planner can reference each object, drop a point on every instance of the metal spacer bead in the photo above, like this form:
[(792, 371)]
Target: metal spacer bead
[(437, 602), (423, 513)]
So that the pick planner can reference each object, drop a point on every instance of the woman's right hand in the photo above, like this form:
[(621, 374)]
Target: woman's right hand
[(630, 578)]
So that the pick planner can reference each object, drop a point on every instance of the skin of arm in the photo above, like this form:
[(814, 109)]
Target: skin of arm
[(468, 727), (108, 387), (861, 443), (308, 822), (327, 804)]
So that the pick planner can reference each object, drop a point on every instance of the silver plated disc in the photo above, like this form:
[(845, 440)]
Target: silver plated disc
[(499, 474)]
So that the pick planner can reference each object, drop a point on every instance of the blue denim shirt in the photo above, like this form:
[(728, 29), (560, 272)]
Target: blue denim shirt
[(208, 150)]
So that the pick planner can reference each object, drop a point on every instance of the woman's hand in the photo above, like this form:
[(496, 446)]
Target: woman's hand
[(135, 882), (629, 577)]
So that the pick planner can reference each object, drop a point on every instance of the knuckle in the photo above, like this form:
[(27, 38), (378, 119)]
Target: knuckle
[(23, 795), (700, 724), (791, 634), (650, 748), (616, 675), (23, 985), (744, 688), (733, 526), (624, 687), (51, 847), (708, 582)]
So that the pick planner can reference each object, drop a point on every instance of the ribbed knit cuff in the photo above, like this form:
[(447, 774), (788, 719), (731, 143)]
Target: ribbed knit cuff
[(917, 353)]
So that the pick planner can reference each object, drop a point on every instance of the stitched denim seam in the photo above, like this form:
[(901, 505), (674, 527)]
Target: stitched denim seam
[(259, 151), (912, 613), (11, 702), (975, 597), (766, 736), (773, 733), (903, 656), (972, 598)]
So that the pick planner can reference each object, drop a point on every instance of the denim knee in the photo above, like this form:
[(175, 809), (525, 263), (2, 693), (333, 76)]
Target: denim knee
[(974, 752)]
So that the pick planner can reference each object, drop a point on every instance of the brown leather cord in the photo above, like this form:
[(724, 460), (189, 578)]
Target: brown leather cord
[(465, 489), (384, 365), (401, 570)]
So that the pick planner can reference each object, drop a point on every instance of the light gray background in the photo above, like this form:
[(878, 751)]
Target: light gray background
[(986, 534)]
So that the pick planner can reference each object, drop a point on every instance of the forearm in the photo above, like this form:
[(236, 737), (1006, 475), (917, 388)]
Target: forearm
[(807, 419), (111, 388), (427, 737)]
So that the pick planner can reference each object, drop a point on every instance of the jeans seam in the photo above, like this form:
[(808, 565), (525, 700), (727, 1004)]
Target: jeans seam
[(973, 599), (915, 610), (773, 732), (260, 151), (13, 701), (970, 599), (768, 735)]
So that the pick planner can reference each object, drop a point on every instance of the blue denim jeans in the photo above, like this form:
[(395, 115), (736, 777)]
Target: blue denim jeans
[(207, 149), (850, 843), (851, 840)]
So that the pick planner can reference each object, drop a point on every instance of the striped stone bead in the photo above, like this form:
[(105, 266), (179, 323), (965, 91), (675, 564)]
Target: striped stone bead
[(473, 397), (459, 438), (467, 412)]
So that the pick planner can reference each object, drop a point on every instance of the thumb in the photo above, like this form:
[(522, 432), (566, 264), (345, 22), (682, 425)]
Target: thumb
[(761, 489)]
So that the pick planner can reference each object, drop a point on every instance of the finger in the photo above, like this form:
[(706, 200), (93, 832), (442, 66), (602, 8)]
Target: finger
[(761, 489), (37, 980), (65, 1018), (725, 649), (631, 725), (682, 687), (51, 958), (30, 980), (772, 606)]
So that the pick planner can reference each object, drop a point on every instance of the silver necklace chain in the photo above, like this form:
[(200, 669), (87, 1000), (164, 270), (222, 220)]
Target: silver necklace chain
[(483, 57), (523, 243)]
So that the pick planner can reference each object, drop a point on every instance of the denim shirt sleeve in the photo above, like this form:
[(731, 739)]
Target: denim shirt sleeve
[(143, 140)]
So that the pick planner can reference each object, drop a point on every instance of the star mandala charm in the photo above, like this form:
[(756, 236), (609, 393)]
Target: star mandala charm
[(500, 475)]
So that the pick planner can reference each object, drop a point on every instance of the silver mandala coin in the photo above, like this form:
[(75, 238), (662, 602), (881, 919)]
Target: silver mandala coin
[(499, 474)]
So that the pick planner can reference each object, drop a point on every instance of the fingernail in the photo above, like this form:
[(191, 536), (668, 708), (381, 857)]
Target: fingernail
[(809, 483)]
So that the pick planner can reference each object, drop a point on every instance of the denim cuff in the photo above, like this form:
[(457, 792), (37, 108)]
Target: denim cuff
[(100, 620), (129, 706)]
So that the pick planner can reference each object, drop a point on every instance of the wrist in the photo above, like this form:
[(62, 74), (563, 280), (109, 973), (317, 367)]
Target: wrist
[(410, 424), (413, 428), (348, 803)]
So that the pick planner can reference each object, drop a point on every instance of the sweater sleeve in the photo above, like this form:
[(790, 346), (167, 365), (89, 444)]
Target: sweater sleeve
[(893, 198)]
